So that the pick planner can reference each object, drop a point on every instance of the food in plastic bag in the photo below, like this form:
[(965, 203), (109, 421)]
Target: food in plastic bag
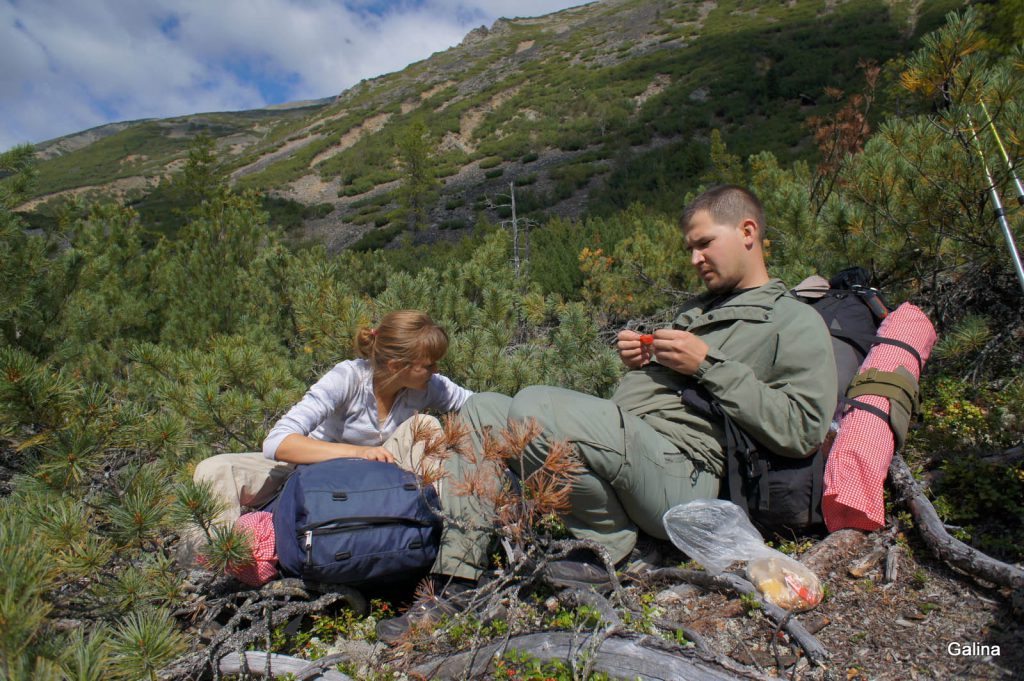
[(716, 533), (785, 582)]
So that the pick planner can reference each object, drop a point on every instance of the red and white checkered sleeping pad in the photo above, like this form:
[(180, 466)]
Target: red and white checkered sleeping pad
[(259, 525), (859, 460)]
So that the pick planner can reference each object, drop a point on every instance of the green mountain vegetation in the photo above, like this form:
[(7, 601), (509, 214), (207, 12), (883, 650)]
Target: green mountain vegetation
[(244, 250)]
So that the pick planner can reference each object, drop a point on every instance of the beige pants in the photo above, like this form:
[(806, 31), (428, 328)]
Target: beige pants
[(251, 480)]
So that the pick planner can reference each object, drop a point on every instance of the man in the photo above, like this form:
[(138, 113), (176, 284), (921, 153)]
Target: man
[(763, 355)]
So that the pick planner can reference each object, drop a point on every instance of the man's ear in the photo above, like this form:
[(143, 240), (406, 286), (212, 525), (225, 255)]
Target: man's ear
[(751, 232)]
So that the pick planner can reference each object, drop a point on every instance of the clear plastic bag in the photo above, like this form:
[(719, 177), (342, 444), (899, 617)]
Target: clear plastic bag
[(717, 533)]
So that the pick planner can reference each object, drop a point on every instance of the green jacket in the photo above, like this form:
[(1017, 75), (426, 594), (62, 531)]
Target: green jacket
[(769, 365)]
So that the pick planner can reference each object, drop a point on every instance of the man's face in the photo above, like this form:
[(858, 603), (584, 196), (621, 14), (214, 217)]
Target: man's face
[(718, 252)]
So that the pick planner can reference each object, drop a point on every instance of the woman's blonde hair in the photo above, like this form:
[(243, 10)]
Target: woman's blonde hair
[(407, 336)]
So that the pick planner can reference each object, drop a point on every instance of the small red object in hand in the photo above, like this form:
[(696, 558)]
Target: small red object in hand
[(647, 339)]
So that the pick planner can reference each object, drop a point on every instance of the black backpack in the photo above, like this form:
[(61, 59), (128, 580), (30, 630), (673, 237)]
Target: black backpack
[(782, 495), (354, 521)]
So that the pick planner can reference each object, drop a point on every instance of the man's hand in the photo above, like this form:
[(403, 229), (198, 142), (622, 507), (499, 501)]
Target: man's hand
[(633, 353), (678, 350)]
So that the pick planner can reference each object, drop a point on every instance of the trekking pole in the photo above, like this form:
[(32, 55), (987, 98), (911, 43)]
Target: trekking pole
[(998, 204), (1002, 152)]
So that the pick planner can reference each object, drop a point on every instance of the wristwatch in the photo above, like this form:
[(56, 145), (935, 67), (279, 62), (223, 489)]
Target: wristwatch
[(709, 361)]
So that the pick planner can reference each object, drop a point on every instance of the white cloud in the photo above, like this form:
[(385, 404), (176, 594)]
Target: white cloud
[(71, 65), (492, 9)]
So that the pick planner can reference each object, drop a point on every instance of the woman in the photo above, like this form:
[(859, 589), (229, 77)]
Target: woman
[(366, 408)]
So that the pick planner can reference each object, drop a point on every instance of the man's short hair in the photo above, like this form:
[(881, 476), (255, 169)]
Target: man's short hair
[(727, 204)]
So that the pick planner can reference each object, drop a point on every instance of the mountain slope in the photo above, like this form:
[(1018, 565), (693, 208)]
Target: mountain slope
[(589, 108)]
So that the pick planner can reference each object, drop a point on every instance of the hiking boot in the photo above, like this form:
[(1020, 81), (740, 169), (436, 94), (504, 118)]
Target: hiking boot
[(581, 569), (646, 556), (451, 595)]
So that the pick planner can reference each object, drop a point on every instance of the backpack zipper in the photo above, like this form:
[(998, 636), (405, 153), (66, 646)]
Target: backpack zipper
[(340, 524), (326, 528)]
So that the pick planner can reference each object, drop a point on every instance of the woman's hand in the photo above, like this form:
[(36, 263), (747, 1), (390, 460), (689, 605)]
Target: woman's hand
[(302, 449), (376, 454)]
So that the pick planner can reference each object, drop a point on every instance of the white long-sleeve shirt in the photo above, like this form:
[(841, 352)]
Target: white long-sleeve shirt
[(341, 407)]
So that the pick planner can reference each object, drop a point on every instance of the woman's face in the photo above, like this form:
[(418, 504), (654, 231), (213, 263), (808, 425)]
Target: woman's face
[(417, 374)]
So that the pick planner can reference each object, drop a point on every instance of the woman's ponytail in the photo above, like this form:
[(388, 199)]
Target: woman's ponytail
[(366, 343)]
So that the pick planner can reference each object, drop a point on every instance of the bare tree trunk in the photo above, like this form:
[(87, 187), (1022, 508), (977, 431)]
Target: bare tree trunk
[(515, 231)]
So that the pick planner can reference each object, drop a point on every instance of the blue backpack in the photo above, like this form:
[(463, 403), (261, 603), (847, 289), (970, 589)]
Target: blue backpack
[(353, 521)]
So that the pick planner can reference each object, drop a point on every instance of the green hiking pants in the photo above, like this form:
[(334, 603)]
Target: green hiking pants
[(632, 474)]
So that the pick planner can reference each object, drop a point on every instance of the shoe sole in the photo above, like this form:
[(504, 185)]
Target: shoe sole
[(439, 610), (600, 587)]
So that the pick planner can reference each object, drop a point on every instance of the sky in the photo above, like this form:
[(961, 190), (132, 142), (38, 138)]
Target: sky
[(69, 65)]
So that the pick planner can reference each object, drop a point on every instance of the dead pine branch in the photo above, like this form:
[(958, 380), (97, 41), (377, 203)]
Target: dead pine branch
[(250, 623), (947, 548), (812, 647)]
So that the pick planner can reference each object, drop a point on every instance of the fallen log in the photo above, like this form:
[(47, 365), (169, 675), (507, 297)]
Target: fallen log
[(619, 656), (947, 548), (282, 665), (1006, 457), (820, 557)]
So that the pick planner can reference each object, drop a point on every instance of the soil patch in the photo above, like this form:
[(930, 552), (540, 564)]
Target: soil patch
[(117, 190), (472, 119), (655, 87), (267, 159), (368, 127), (310, 189)]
